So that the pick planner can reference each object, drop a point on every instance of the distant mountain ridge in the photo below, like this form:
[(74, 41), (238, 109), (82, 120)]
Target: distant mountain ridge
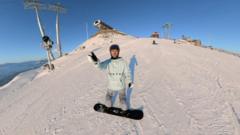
[(9, 70)]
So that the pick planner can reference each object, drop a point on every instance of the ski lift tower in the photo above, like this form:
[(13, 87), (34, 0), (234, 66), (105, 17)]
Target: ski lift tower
[(36, 5), (167, 30), (58, 8)]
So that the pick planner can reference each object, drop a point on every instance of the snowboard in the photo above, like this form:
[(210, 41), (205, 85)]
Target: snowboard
[(131, 113)]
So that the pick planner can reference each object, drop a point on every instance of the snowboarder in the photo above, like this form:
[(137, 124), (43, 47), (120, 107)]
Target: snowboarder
[(118, 76)]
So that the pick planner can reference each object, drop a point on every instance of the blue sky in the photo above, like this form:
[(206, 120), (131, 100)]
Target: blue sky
[(215, 22)]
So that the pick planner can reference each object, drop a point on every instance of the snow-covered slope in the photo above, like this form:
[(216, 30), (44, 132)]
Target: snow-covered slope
[(182, 89)]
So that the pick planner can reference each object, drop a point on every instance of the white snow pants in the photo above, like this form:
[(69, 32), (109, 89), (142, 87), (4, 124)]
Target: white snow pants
[(111, 98)]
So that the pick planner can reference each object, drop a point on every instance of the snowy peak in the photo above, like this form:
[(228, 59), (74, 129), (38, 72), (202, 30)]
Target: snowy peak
[(103, 39)]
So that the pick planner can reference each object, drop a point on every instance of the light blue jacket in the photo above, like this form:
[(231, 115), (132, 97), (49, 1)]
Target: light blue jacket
[(118, 73)]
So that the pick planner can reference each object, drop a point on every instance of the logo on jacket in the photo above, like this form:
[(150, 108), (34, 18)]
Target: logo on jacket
[(115, 73)]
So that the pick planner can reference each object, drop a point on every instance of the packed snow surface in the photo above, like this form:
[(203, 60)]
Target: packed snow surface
[(182, 89)]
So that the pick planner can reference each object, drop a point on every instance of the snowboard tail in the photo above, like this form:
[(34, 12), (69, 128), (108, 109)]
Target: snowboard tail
[(132, 114)]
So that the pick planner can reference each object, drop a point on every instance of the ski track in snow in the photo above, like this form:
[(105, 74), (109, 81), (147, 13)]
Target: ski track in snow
[(182, 89)]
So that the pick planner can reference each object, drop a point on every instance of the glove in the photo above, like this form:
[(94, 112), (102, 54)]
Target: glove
[(93, 57), (130, 85)]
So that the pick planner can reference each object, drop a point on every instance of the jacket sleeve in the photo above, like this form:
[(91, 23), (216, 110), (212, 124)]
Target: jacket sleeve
[(127, 73), (102, 65)]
